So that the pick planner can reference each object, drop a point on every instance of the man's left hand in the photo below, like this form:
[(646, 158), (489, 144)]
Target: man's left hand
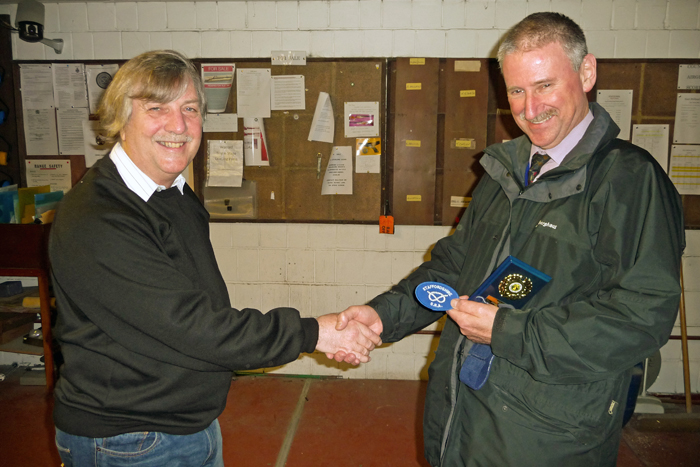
[(475, 320)]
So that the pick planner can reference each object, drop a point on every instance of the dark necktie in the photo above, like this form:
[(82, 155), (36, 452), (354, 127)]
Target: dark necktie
[(538, 160)]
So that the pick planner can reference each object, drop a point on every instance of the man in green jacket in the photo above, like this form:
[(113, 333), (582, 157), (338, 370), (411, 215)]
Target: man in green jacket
[(602, 219)]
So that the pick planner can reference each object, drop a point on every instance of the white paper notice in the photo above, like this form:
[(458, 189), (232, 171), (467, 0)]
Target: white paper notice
[(338, 177), (253, 92), (95, 144), (221, 123), (288, 93), (653, 138), (688, 76), (40, 132), (618, 103), (224, 163), (49, 172), (255, 142), (685, 169), (69, 88), (98, 78), (323, 125), (36, 84), (687, 127), (218, 79), (361, 119), (70, 130)]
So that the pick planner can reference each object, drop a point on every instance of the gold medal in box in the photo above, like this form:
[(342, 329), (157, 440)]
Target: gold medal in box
[(513, 282)]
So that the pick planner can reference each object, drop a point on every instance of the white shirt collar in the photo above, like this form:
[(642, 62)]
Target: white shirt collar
[(135, 179)]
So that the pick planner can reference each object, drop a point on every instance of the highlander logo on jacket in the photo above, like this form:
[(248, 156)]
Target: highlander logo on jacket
[(547, 224)]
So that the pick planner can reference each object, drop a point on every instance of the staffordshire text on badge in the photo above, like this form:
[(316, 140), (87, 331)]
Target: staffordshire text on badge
[(435, 296)]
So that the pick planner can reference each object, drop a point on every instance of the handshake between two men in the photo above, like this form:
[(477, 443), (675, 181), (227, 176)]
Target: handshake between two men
[(351, 335)]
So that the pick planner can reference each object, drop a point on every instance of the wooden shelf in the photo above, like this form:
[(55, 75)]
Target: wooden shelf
[(24, 253), (18, 346)]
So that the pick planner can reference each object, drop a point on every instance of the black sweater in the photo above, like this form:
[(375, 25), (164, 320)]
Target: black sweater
[(145, 324)]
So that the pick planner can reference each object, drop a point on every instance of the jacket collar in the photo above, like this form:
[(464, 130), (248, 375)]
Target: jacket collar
[(506, 163)]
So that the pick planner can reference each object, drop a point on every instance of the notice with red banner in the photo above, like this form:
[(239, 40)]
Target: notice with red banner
[(218, 79)]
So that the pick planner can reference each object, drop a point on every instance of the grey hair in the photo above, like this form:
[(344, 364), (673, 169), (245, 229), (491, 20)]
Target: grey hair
[(541, 29), (159, 76)]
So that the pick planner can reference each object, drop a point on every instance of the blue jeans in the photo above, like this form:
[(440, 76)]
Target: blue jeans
[(143, 449)]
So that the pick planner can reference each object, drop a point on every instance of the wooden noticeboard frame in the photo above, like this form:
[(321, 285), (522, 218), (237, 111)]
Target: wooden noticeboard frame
[(443, 103)]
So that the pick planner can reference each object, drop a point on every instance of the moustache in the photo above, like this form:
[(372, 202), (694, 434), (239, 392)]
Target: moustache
[(172, 139), (541, 117)]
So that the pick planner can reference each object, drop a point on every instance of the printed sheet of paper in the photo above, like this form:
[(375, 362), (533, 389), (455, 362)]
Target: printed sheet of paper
[(653, 138), (69, 89), (253, 92), (361, 119), (323, 125), (255, 149), (70, 130), (40, 132), (687, 127), (224, 163), (288, 92), (95, 144), (618, 103), (338, 177), (368, 153), (98, 78), (221, 123), (52, 172), (685, 169), (688, 76), (36, 84), (218, 80)]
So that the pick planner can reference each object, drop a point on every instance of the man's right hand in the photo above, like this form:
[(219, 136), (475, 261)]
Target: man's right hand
[(361, 313)]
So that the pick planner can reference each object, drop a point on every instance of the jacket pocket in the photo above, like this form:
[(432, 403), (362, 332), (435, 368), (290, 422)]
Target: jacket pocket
[(587, 412)]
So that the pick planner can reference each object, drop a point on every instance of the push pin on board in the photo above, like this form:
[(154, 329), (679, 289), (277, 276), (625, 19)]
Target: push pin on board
[(318, 165)]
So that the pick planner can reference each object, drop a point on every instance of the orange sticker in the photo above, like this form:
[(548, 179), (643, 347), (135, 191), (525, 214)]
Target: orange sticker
[(386, 224)]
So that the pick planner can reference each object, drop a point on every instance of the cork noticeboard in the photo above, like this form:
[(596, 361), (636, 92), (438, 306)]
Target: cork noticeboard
[(289, 189)]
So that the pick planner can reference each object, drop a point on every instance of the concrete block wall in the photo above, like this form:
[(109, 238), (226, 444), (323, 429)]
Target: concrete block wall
[(352, 28), (325, 268)]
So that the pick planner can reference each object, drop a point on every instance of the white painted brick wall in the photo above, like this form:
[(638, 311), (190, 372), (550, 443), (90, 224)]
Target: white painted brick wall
[(352, 28)]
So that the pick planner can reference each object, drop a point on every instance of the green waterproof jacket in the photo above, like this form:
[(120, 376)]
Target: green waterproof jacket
[(607, 226)]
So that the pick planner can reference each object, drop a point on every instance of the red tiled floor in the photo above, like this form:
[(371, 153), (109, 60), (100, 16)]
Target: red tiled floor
[(26, 427), (257, 415), (359, 423)]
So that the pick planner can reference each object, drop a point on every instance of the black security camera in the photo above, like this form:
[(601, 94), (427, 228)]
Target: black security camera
[(29, 20), (30, 24)]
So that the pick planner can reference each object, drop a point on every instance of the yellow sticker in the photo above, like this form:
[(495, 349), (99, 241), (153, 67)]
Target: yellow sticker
[(465, 143), (413, 86), (467, 65), (413, 143), (413, 198), (417, 61), (467, 93), (459, 201)]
